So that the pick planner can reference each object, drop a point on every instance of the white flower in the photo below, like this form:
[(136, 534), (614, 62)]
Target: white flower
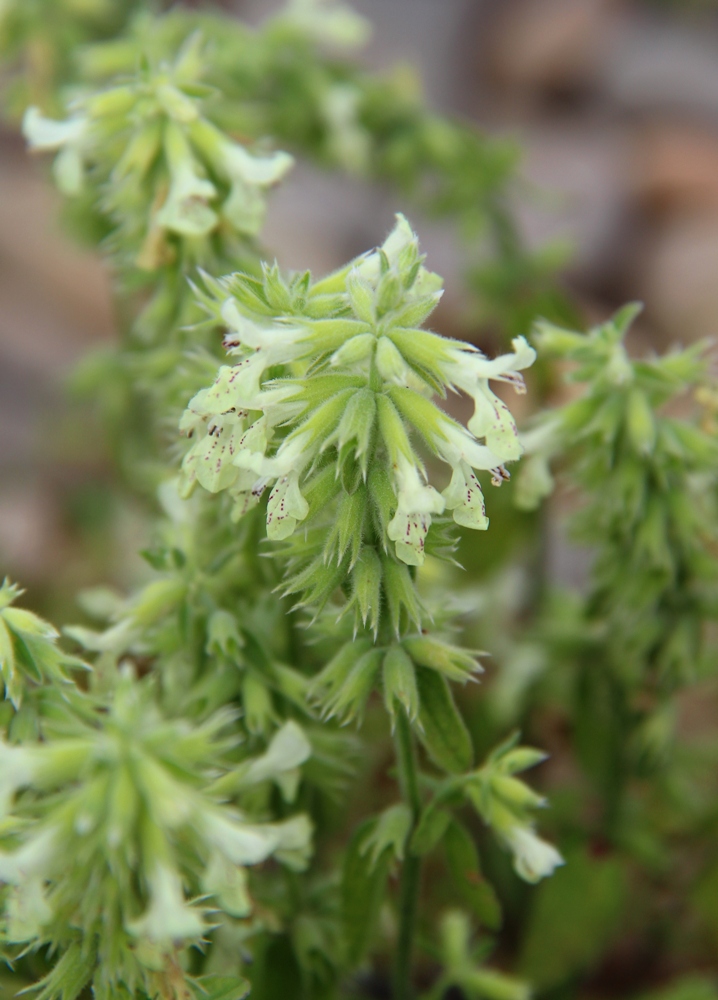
[(247, 174), (273, 344), (17, 768), (456, 445), (239, 842), (492, 420), (210, 460), (293, 455), (246, 844), (245, 207), (289, 748), (34, 858), (186, 210), (27, 910), (294, 843), (416, 502), (348, 140), (228, 882), (534, 859), (48, 134), (68, 138), (168, 917), (285, 508), (463, 496)]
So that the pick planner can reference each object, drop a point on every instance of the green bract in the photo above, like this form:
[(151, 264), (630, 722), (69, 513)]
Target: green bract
[(331, 380)]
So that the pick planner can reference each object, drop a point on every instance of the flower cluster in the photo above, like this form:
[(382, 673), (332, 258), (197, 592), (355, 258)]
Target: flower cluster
[(329, 382), (504, 802), (647, 478), (170, 177), (137, 804)]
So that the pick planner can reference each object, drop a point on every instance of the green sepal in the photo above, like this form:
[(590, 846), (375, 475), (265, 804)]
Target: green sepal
[(401, 595), (453, 662), (366, 587), (383, 500), (349, 700), (348, 526), (400, 687)]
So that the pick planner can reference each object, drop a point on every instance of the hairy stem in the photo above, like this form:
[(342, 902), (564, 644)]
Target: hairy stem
[(411, 869)]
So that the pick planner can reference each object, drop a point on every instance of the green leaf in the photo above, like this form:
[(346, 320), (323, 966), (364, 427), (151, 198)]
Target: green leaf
[(400, 683), (363, 887), (574, 916), (463, 861), (441, 729)]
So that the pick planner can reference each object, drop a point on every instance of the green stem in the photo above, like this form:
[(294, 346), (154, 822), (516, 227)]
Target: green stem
[(411, 868)]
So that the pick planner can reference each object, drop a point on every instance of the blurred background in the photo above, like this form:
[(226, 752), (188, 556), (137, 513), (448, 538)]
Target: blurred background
[(615, 105)]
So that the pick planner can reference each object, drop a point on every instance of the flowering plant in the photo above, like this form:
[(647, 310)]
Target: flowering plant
[(183, 812)]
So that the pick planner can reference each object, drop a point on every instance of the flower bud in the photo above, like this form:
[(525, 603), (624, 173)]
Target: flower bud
[(355, 350), (400, 683), (640, 422), (390, 363)]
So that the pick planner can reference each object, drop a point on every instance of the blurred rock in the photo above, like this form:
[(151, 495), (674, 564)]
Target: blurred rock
[(578, 181), (678, 278), (675, 167), (656, 62), (554, 45)]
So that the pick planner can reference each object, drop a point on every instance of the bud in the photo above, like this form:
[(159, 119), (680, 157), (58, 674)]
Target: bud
[(389, 293), (288, 749), (640, 422), (404, 607), (392, 367), (355, 349), (157, 599), (361, 297), (258, 708), (357, 424), (515, 793), (455, 663), (186, 210), (520, 759), (349, 699), (400, 683), (168, 918), (223, 636)]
